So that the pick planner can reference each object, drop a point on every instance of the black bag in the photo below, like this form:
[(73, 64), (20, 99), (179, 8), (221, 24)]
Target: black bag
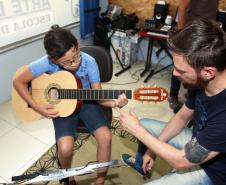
[(125, 22), (101, 33)]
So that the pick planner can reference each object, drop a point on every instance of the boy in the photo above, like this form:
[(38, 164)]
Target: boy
[(63, 53)]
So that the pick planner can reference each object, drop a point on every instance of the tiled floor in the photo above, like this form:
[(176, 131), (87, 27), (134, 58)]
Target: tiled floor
[(21, 144)]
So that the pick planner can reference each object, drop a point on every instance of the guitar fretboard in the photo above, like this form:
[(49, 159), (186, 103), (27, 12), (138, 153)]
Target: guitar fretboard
[(92, 94)]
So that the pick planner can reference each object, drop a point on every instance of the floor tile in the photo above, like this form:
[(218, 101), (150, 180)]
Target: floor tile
[(7, 113), (42, 130), (5, 127), (17, 149), (2, 180), (29, 163)]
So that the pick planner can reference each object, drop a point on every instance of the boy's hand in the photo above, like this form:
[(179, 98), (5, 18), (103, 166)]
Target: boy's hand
[(46, 111), (121, 101)]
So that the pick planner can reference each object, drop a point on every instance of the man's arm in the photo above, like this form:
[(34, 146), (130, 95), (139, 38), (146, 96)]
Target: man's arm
[(176, 124), (188, 157), (183, 5), (179, 159)]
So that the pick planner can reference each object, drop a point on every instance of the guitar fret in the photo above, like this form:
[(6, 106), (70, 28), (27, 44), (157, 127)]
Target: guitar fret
[(95, 94), (80, 94), (129, 94), (76, 94), (91, 94), (105, 94), (110, 94), (101, 94), (67, 93), (116, 94), (88, 94), (61, 93)]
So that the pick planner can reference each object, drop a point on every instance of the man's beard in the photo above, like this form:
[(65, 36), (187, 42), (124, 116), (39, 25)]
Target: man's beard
[(200, 84)]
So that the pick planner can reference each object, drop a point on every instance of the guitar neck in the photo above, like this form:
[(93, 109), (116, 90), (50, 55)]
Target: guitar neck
[(92, 94)]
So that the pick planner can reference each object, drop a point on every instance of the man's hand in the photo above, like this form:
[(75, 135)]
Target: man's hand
[(129, 122), (148, 161), (46, 111)]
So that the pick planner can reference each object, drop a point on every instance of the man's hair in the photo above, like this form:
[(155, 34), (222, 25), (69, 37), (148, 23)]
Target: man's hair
[(58, 41), (202, 43)]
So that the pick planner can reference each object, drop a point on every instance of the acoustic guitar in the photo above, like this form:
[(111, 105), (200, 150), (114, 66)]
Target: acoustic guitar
[(63, 90)]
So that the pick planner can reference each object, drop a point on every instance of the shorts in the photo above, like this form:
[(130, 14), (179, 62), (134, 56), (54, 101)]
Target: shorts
[(91, 115)]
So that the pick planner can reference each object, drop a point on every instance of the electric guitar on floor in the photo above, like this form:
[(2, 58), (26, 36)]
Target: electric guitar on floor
[(63, 90)]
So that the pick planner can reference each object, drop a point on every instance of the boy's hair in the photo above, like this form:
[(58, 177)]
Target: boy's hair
[(58, 41), (202, 43)]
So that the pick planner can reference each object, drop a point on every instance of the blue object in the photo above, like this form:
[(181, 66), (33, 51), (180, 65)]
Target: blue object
[(89, 10)]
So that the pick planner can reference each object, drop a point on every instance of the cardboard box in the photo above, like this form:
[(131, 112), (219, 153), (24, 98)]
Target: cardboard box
[(125, 46)]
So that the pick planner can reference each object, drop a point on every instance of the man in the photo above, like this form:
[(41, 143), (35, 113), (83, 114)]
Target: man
[(63, 53), (199, 55), (188, 11)]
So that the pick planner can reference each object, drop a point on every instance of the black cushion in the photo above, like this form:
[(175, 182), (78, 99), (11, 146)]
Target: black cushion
[(104, 61)]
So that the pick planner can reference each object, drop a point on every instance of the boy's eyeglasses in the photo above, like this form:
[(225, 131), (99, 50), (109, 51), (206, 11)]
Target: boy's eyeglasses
[(75, 60)]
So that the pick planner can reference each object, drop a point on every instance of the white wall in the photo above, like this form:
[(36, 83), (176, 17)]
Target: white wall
[(23, 19)]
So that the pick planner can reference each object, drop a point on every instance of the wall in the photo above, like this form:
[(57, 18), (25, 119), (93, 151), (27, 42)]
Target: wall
[(23, 19), (144, 8), (11, 60)]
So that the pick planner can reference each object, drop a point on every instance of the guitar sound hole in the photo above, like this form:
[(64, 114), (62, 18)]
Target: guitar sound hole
[(53, 94)]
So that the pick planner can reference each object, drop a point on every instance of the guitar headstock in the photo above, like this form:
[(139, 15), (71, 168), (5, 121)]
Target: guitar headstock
[(150, 94)]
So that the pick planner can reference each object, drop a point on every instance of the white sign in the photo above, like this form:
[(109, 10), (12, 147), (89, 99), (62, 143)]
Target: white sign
[(21, 19)]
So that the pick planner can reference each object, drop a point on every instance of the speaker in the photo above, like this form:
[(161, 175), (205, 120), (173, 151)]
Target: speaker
[(221, 17), (160, 12)]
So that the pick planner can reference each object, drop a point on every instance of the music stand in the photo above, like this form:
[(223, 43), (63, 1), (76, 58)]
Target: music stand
[(124, 68)]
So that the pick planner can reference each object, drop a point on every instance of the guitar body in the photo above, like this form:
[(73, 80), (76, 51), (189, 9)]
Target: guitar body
[(43, 91)]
